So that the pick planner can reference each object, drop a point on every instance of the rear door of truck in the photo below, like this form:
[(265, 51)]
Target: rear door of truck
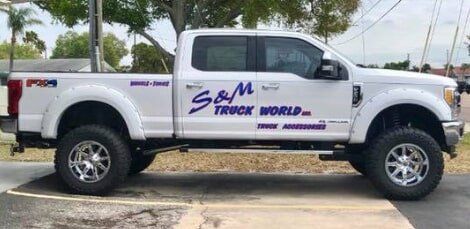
[(217, 86)]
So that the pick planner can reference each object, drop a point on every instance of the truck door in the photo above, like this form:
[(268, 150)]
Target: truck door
[(218, 90), (293, 103)]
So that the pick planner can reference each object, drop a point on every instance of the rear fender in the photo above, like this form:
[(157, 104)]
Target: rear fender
[(97, 93)]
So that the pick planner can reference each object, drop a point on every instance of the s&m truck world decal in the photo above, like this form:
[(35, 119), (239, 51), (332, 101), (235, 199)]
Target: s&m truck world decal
[(204, 99)]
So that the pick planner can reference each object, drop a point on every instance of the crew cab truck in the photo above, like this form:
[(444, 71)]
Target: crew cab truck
[(241, 90)]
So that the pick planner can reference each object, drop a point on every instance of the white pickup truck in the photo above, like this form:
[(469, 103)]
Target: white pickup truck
[(241, 91)]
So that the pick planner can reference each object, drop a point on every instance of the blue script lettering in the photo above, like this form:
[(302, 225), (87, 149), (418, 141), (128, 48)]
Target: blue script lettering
[(203, 99)]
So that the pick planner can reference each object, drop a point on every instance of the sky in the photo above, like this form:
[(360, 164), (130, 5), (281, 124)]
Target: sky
[(401, 32)]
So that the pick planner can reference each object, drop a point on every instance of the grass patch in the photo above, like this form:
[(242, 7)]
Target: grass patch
[(207, 162)]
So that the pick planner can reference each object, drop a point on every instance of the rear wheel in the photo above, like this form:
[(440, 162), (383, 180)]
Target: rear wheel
[(140, 162), (92, 159), (404, 163)]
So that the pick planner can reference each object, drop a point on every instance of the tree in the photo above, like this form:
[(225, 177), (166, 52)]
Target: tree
[(147, 59), (372, 66), (327, 18), (426, 68), (464, 67), (74, 45), (18, 20), (139, 15), (451, 66), (401, 65), (22, 51), (32, 37)]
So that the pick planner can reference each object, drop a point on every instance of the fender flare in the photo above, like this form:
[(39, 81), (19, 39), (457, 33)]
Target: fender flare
[(117, 100), (371, 108)]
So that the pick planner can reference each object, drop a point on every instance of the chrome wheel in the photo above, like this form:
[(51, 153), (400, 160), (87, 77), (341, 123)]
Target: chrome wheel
[(407, 165), (89, 161)]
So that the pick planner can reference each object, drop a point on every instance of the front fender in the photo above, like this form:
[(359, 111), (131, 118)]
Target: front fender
[(384, 100), (97, 93)]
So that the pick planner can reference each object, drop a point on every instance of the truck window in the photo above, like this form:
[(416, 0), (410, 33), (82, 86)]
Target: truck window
[(220, 53), (292, 55)]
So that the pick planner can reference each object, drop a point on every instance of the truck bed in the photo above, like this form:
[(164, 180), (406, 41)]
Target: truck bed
[(149, 95)]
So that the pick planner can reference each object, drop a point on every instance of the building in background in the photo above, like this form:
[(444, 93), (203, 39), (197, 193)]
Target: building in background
[(457, 73), (52, 65)]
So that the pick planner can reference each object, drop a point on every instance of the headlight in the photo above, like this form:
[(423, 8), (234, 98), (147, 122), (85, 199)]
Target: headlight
[(449, 95)]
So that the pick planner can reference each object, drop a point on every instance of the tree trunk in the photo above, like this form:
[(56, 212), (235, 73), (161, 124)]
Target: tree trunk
[(12, 50), (178, 17), (157, 46)]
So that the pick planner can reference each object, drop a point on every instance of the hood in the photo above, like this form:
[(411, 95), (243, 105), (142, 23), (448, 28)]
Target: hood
[(374, 75)]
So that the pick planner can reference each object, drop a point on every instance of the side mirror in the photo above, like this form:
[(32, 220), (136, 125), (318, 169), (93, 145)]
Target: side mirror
[(329, 68)]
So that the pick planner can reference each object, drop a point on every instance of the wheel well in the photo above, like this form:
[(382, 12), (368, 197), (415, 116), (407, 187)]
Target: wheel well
[(91, 112), (407, 115)]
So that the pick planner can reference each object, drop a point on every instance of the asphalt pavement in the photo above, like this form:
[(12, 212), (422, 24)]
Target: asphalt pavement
[(447, 207), (206, 200), (234, 200)]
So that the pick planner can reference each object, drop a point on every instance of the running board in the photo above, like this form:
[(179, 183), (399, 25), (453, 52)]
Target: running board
[(161, 150), (260, 151)]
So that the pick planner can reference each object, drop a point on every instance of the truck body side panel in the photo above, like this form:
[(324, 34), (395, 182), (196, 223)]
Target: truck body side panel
[(136, 96)]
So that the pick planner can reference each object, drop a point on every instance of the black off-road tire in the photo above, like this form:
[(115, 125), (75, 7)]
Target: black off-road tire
[(359, 166), (376, 154), (140, 162), (118, 151)]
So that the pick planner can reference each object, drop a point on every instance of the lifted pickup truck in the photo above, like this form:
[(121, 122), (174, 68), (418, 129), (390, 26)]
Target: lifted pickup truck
[(241, 91)]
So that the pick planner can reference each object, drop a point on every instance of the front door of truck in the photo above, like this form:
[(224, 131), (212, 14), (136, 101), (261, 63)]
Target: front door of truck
[(292, 103), (218, 92)]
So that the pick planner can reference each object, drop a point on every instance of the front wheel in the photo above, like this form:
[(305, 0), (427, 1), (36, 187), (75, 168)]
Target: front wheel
[(359, 166), (92, 159), (404, 163)]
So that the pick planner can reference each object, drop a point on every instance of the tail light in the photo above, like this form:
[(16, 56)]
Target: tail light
[(14, 94)]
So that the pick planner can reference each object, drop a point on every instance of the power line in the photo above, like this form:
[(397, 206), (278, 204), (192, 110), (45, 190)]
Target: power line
[(433, 30), (455, 40), (367, 11), (372, 25), (426, 43), (363, 41), (462, 37)]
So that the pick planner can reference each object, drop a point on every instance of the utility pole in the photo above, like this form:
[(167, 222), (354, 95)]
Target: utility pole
[(99, 11), (447, 57), (408, 60), (449, 60), (95, 8)]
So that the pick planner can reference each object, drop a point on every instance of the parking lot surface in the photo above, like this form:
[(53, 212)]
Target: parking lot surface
[(206, 200), (230, 200), (13, 174)]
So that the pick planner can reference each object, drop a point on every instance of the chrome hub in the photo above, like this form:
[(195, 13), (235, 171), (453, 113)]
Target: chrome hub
[(407, 165), (89, 161)]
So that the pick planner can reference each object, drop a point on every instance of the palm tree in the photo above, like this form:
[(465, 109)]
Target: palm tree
[(18, 20), (464, 68)]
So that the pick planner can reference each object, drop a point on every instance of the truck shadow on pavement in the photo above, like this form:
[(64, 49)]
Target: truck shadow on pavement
[(189, 187)]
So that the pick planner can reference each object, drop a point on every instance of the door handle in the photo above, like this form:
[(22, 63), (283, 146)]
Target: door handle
[(267, 86), (194, 85)]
